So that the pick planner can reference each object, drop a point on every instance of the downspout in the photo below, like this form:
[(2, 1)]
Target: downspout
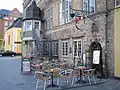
[(106, 37)]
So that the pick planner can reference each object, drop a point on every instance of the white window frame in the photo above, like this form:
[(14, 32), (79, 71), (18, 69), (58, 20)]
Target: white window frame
[(39, 24), (55, 48), (64, 11), (77, 40), (116, 4), (65, 50)]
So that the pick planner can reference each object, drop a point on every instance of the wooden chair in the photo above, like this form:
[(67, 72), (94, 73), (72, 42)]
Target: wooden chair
[(42, 78), (38, 68), (90, 75)]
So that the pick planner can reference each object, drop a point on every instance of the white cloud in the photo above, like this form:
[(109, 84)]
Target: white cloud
[(11, 4)]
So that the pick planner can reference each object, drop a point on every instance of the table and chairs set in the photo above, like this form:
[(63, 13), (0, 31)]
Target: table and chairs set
[(54, 73)]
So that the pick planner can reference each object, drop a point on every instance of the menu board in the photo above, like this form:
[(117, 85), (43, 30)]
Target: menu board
[(25, 65), (96, 56)]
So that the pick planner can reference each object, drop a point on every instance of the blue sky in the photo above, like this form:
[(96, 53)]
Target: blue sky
[(11, 4)]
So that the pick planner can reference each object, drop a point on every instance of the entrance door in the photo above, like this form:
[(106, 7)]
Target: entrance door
[(96, 57)]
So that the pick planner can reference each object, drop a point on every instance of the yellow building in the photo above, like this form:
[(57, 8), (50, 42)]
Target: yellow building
[(13, 36), (1, 41), (117, 38)]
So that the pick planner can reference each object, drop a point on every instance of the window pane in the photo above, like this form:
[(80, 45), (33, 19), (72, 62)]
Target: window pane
[(86, 6), (63, 5), (92, 6), (79, 48), (65, 48), (117, 2), (75, 48), (36, 25), (49, 17), (60, 6), (55, 48), (29, 26), (50, 22), (69, 11)]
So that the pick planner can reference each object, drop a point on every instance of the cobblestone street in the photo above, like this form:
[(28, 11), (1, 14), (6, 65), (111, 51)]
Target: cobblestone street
[(11, 79)]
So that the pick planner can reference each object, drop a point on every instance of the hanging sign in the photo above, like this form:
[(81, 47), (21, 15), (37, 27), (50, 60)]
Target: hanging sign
[(96, 56)]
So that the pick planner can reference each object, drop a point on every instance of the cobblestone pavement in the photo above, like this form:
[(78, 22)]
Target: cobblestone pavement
[(11, 79)]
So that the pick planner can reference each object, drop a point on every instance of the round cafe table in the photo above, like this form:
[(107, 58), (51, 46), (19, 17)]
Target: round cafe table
[(52, 71)]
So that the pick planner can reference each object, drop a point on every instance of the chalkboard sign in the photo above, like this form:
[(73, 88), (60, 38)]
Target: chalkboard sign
[(25, 65)]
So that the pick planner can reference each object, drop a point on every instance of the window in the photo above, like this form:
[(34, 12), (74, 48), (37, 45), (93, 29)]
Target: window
[(49, 17), (46, 48), (65, 11), (65, 48), (92, 6), (9, 39), (6, 23), (37, 25), (77, 48), (28, 25), (117, 2), (55, 48), (89, 6)]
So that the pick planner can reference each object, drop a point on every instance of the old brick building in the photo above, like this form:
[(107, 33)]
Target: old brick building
[(61, 37)]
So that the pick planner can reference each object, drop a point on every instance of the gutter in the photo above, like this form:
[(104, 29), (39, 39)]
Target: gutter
[(106, 38)]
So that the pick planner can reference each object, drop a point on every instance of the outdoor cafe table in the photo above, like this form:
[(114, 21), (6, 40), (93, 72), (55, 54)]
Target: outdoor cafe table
[(80, 68), (52, 71)]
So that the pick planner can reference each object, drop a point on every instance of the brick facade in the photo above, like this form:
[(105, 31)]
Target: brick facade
[(69, 31)]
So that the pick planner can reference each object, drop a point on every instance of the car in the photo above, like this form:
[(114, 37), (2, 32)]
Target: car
[(8, 53)]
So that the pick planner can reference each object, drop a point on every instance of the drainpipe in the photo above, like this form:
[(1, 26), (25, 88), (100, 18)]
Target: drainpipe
[(106, 37)]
